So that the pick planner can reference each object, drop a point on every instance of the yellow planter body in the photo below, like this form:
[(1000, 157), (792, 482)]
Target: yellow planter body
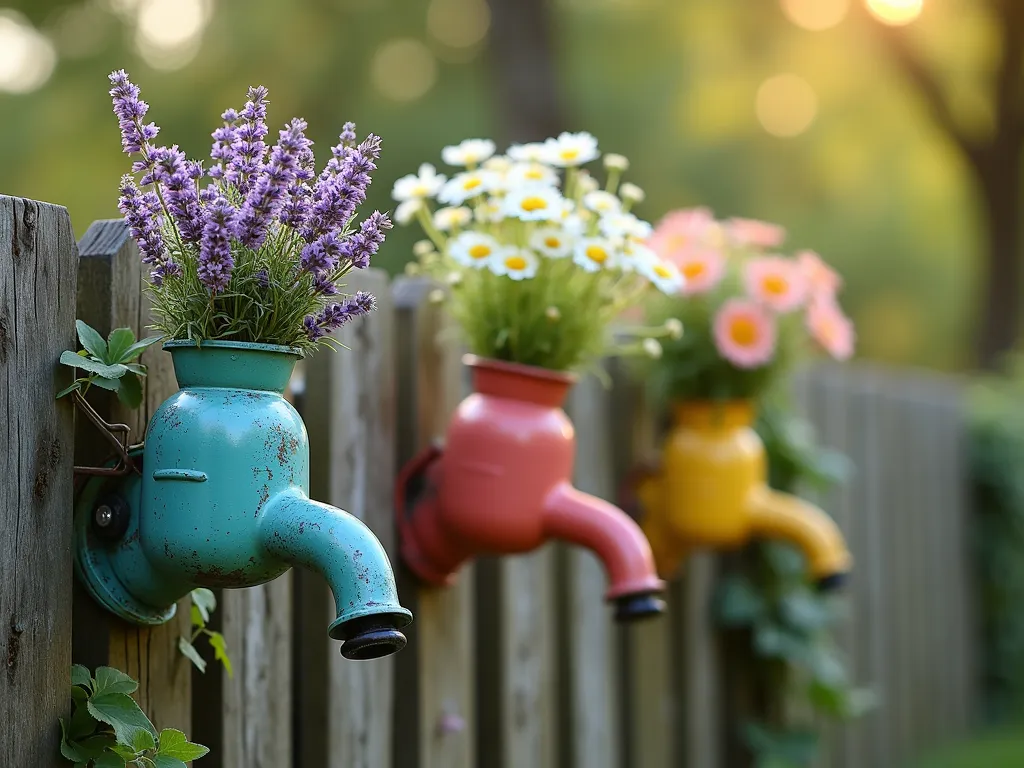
[(712, 491)]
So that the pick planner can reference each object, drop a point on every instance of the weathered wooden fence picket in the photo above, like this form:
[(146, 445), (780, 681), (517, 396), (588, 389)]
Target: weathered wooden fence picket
[(519, 665)]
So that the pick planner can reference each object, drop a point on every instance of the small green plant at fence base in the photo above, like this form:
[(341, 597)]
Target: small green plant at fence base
[(204, 603), (107, 729), (109, 364)]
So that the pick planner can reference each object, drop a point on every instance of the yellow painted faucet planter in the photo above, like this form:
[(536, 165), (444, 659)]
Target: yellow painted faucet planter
[(712, 491)]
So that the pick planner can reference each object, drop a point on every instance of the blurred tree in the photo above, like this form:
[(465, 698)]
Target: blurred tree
[(995, 161)]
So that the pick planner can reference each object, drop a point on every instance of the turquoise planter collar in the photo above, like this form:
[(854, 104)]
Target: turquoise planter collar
[(232, 364)]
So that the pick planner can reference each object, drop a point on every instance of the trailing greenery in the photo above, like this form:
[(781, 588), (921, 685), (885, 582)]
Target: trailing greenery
[(997, 475), (204, 603), (109, 364), (781, 623), (107, 729)]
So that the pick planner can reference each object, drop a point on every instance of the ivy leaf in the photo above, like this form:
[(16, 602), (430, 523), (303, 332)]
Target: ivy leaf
[(138, 348), (174, 743), (137, 368), (80, 676), (118, 342), (130, 390), (805, 611), (197, 618), (111, 680), (190, 653), (739, 603), (91, 340), (120, 711), (69, 749), (220, 651), (123, 750), (112, 384), (109, 760), (115, 371), (163, 761), (82, 723), (205, 602), (143, 740)]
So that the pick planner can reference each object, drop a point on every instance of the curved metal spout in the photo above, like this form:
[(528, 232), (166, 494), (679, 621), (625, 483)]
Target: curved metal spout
[(586, 520), (345, 552), (782, 516)]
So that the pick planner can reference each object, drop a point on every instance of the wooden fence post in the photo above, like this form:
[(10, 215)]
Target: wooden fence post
[(349, 408), (38, 262), (435, 712), (110, 296)]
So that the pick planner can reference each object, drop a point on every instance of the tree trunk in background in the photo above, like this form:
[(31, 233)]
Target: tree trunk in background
[(522, 59)]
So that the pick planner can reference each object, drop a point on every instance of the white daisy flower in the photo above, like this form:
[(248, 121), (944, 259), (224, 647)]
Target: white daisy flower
[(472, 249), (406, 212), (447, 219), (615, 162), (498, 164), (469, 152), (517, 263), (426, 183), (422, 247), (652, 348), (488, 211), (664, 274), (534, 203), (532, 173), (552, 242), (465, 186), (632, 193), (535, 152), (601, 202), (674, 326), (624, 225), (594, 253), (571, 149), (633, 255), (575, 224), (587, 183)]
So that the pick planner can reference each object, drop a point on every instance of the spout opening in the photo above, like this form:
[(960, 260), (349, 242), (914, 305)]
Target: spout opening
[(371, 637), (832, 581), (638, 606)]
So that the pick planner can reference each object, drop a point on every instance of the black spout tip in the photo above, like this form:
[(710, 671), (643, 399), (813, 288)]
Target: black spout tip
[(637, 607), (371, 637), (832, 581)]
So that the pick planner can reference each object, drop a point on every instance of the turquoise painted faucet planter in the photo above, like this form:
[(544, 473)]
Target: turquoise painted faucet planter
[(222, 501)]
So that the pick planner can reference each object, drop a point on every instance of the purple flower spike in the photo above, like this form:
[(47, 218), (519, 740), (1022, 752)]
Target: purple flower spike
[(336, 315), (336, 197), (223, 151), (130, 109), (267, 195), (348, 134), (248, 147), (323, 286), (178, 177), (321, 256), (364, 244), (215, 260), (141, 211)]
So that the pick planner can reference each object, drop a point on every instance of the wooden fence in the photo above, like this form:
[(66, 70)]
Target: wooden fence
[(519, 665)]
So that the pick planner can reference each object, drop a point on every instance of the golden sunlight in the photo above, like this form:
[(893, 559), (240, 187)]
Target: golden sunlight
[(895, 12), (815, 15), (786, 105), (27, 58), (403, 69)]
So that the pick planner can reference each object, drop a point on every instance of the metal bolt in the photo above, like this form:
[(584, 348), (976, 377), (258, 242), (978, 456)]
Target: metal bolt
[(104, 516)]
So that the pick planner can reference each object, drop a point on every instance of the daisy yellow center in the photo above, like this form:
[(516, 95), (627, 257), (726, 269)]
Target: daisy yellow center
[(694, 270), (552, 242), (597, 253), (516, 263), (480, 251), (533, 203), (569, 154), (471, 183), (775, 285), (420, 190), (535, 173), (743, 331), (662, 271)]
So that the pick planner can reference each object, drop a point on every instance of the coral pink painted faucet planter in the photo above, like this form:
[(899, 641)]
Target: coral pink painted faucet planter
[(502, 485)]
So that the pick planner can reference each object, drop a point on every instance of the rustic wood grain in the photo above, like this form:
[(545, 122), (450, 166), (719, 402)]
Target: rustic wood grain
[(435, 710), (38, 263), (111, 296)]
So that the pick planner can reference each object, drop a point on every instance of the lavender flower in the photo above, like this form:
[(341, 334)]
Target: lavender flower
[(336, 315), (346, 142), (361, 246), (299, 202), (215, 260), (337, 196), (321, 256), (141, 211), (178, 177), (223, 143), (263, 278), (324, 286), (130, 110), (267, 195), (248, 147)]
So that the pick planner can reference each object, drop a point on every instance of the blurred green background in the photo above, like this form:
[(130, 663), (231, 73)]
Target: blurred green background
[(810, 113)]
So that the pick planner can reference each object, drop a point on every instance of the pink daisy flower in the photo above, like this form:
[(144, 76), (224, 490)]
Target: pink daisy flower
[(701, 270), (831, 328), (776, 282), (822, 280), (683, 231), (759, 234), (744, 333)]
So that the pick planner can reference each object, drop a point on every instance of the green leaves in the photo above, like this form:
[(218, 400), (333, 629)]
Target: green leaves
[(190, 652), (107, 728), (108, 363), (204, 602)]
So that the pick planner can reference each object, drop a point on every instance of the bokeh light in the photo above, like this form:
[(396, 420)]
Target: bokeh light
[(786, 105), (895, 12), (403, 69), (458, 23), (27, 58), (168, 32), (815, 15)]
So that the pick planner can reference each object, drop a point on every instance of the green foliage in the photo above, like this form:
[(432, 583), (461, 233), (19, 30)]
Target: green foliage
[(996, 456), (107, 729), (108, 364), (787, 621), (204, 603)]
